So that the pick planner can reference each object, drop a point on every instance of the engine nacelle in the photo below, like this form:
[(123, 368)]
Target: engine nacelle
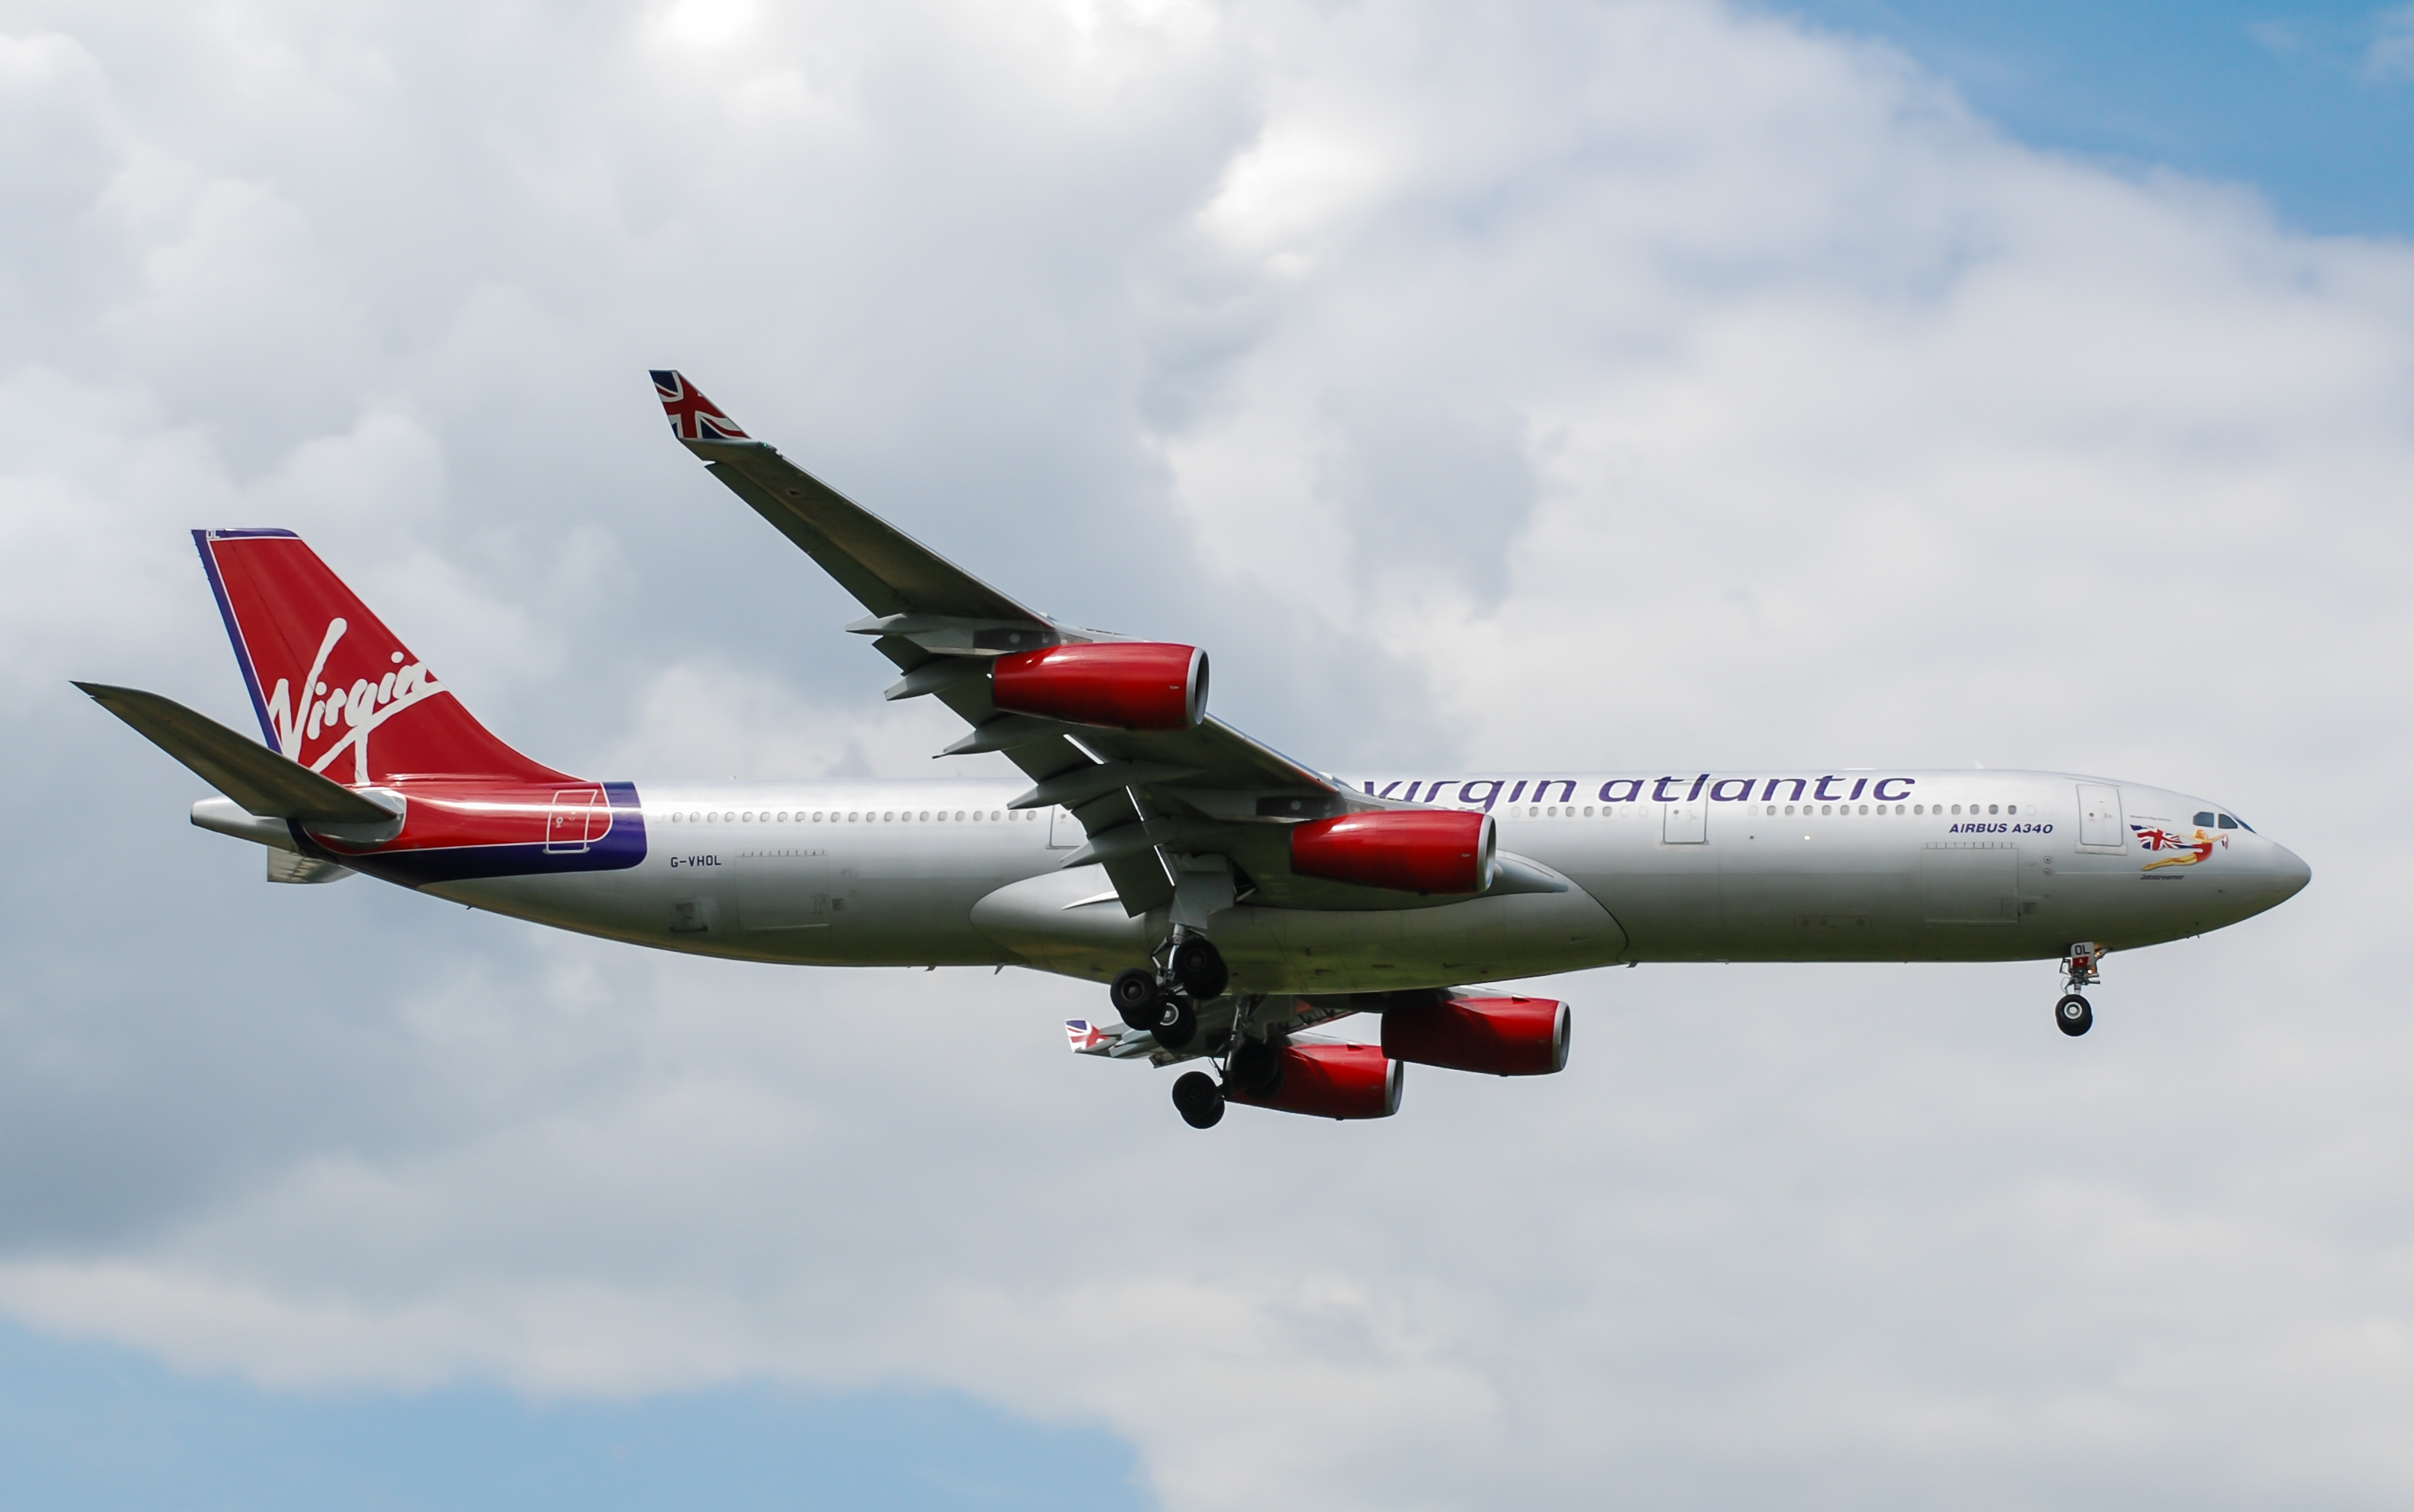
[(1498, 1036), (1122, 684), (1330, 1081), (1407, 851)]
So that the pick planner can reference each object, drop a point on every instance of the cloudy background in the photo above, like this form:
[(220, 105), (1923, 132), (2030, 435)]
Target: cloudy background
[(1582, 386)]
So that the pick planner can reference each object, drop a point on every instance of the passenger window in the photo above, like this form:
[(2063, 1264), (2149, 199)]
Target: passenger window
[(2204, 821), (2228, 822)]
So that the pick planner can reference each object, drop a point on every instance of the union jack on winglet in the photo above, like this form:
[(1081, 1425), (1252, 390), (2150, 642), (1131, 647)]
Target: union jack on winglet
[(694, 417), (1087, 1038)]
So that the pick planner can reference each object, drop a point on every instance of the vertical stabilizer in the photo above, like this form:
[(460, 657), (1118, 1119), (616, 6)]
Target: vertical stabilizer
[(335, 689)]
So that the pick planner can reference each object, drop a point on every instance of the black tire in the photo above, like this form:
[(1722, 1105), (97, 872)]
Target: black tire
[(1135, 997), (1177, 1024), (1198, 1100), (1255, 1068), (1198, 965), (2073, 1015)]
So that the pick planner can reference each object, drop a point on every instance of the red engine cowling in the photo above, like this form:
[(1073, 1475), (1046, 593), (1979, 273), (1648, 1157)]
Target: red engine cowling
[(1123, 685), (1498, 1036), (1332, 1081), (1408, 851)]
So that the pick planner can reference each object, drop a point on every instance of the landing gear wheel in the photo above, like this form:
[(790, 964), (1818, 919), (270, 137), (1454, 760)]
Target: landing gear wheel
[(1198, 965), (1198, 1100), (1255, 1069), (1176, 1025), (2073, 1016), (1135, 997)]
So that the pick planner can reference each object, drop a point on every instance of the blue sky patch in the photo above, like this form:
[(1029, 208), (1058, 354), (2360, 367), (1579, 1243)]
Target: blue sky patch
[(90, 1426), (2314, 105)]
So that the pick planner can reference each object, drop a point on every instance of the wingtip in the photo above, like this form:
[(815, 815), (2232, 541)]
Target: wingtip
[(692, 417)]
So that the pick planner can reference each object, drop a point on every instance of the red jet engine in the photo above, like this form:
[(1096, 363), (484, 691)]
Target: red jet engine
[(1330, 1081), (1122, 684), (1408, 851), (1498, 1036)]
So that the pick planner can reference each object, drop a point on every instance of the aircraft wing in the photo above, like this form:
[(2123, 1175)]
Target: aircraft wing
[(1141, 796), (887, 571)]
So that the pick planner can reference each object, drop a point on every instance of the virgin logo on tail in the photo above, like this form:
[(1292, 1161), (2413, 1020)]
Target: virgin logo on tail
[(345, 717)]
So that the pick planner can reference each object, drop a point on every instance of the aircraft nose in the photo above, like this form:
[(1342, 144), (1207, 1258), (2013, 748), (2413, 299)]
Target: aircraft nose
[(2289, 873)]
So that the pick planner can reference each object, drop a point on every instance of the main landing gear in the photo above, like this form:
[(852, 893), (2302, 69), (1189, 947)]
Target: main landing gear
[(1145, 1005), (1163, 1000), (2079, 968), (1252, 1067), (1198, 1100)]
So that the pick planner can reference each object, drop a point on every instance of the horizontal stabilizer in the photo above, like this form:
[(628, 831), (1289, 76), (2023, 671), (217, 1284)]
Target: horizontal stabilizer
[(264, 782), (286, 867)]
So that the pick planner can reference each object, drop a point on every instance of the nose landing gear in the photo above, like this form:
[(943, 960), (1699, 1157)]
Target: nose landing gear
[(2073, 1014)]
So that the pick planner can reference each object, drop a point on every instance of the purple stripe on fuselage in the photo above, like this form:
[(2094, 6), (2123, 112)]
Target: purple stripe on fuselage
[(620, 847)]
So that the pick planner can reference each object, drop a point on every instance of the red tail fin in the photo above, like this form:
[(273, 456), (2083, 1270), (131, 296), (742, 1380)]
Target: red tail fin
[(335, 689)]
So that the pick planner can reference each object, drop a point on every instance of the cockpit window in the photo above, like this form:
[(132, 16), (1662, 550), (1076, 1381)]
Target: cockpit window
[(2228, 822), (2204, 821)]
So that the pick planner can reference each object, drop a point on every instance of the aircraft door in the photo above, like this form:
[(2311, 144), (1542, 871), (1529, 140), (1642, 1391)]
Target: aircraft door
[(578, 818), (1685, 823), (2100, 825)]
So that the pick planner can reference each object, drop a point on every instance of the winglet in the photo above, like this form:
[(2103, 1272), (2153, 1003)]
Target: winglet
[(1088, 1038), (694, 417)]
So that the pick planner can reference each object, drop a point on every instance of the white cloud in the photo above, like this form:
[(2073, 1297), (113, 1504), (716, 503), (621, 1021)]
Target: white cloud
[(707, 23), (2390, 56), (1577, 385)]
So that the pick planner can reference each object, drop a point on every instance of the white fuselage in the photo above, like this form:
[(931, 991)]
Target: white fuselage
[(1919, 865)]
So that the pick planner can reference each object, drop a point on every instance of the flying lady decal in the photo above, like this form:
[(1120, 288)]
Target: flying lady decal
[(2184, 852)]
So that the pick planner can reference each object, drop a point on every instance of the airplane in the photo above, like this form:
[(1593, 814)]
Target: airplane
[(1229, 898)]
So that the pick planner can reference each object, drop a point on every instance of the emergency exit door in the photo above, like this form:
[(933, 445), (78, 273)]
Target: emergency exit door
[(2100, 827)]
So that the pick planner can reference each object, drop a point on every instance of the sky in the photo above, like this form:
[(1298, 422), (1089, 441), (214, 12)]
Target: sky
[(2308, 104), (1583, 386)]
